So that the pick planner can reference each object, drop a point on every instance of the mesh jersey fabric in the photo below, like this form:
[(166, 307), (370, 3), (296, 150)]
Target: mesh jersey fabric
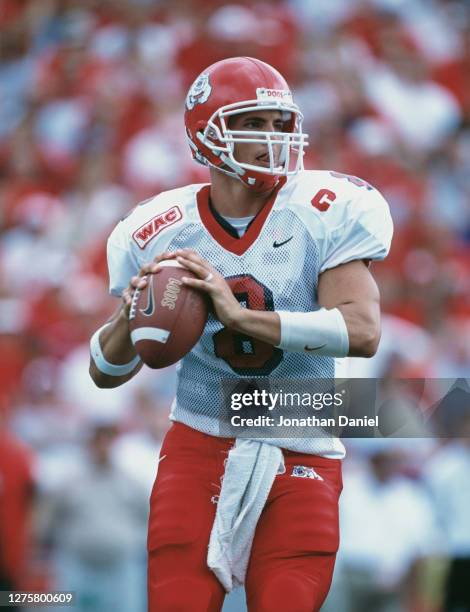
[(279, 270)]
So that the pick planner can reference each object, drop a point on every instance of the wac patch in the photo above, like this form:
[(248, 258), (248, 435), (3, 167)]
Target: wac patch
[(152, 228)]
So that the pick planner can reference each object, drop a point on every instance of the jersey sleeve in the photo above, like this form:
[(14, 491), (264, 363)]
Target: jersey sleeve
[(360, 228), (122, 263)]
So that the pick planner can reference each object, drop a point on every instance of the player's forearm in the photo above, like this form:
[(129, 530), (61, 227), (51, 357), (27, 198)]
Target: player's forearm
[(117, 349), (265, 326), (363, 323), (116, 341)]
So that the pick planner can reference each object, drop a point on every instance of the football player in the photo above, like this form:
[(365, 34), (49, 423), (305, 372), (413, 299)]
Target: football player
[(283, 254)]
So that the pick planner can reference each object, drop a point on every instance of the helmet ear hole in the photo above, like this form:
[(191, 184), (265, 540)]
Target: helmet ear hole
[(204, 132), (200, 125)]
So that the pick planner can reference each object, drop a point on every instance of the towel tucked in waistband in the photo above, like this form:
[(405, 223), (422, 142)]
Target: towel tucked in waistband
[(250, 471)]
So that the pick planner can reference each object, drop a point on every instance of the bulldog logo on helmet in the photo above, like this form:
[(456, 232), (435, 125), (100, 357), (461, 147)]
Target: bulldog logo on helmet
[(199, 92)]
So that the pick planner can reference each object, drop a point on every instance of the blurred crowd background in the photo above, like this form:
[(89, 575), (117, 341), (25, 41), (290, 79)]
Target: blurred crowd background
[(91, 105)]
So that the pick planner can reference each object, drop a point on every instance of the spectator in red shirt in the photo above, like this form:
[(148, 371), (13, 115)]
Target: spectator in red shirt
[(16, 498)]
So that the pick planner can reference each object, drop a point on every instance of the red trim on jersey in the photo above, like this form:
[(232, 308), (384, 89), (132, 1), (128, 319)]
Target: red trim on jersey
[(230, 243)]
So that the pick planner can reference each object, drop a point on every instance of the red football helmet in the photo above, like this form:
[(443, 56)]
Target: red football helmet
[(240, 85)]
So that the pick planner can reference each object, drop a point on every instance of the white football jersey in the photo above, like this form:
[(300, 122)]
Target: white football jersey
[(314, 221)]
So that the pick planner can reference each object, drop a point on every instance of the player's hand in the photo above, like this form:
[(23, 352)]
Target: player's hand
[(140, 280), (226, 306)]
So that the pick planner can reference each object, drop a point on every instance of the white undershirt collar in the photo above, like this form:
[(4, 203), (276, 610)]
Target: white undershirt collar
[(239, 223)]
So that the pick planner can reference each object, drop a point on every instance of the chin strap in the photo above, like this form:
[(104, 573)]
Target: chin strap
[(237, 171)]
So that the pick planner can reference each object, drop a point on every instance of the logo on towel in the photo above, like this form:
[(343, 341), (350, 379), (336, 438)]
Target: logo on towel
[(300, 471)]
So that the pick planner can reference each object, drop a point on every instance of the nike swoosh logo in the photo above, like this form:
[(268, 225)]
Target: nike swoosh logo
[(314, 348), (279, 244), (149, 309)]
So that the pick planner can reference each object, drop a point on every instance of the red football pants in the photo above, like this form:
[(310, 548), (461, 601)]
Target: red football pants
[(296, 539)]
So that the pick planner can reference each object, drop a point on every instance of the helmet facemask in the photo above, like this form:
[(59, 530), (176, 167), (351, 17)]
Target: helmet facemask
[(221, 140)]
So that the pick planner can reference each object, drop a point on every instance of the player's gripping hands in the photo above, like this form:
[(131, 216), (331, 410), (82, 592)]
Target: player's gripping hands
[(226, 307), (258, 324), (262, 325), (140, 280)]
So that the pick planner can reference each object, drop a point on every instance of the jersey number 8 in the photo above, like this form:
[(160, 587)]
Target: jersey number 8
[(248, 356)]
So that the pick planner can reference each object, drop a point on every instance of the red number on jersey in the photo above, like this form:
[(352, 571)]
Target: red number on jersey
[(323, 199), (248, 356), (353, 179)]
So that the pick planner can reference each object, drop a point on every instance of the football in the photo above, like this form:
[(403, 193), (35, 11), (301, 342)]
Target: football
[(167, 318)]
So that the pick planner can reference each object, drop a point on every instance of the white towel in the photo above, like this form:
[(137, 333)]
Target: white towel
[(249, 475)]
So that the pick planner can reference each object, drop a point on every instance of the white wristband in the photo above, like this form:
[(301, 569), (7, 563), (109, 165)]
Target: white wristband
[(104, 366), (322, 332)]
